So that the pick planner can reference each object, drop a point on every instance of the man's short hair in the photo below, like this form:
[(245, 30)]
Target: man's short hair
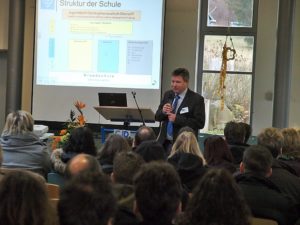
[(151, 151), (125, 166), (234, 132), (87, 199), (90, 164), (257, 159), (157, 192), (184, 73), (272, 139), (144, 133)]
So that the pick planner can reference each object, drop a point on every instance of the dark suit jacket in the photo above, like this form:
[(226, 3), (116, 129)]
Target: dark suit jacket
[(194, 118)]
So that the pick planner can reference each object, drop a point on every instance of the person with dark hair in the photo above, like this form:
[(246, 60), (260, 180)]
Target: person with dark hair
[(282, 175), (82, 163), (113, 144), (179, 107), (216, 200), (87, 199), (81, 140), (24, 200), (187, 129), (22, 148), (264, 198), (157, 192), (248, 131), (144, 133), (235, 136), (151, 151), (126, 165), (217, 153)]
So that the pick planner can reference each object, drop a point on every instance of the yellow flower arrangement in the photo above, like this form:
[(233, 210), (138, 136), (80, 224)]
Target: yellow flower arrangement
[(72, 123)]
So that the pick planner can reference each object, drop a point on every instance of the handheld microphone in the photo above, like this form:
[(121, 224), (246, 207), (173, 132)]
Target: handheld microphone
[(140, 111)]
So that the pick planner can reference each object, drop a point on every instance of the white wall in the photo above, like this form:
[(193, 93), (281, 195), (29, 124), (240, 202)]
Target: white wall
[(265, 65), (4, 24), (180, 40), (294, 119), (3, 57)]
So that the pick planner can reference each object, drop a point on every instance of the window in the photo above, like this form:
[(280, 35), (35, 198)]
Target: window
[(233, 22)]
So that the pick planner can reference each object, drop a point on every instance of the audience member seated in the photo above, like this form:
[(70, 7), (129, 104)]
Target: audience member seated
[(144, 133), (151, 151), (21, 147), (114, 144), (126, 165), (262, 195), (24, 200), (289, 184), (157, 193), (216, 200), (217, 153), (248, 132), (87, 199), (291, 149), (235, 136), (81, 140), (187, 159), (82, 162)]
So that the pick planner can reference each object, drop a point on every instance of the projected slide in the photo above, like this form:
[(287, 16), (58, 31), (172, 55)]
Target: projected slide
[(99, 43)]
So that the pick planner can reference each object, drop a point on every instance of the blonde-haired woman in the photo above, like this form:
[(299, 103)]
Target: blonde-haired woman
[(187, 159), (21, 147), (186, 142)]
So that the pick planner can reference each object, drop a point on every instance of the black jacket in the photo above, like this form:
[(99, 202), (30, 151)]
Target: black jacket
[(189, 167), (193, 115), (266, 200)]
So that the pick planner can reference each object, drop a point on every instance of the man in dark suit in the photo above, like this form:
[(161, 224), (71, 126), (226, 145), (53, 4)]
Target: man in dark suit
[(180, 107)]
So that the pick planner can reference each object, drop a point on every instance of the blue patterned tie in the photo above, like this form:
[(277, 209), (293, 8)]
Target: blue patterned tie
[(170, 124)]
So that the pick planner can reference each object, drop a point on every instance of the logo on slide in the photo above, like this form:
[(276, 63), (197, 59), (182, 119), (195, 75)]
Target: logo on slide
[(47, 4)]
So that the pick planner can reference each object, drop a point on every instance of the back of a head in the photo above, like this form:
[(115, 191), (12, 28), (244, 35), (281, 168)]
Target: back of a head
[(234, 132), (184, 73), (272, 139), (24, 200), (216, 150), (187, 129), (291, 141), (82, 163), (18, 122), (257, 159), (113, 144), (217, 200), (125, 166), (186, 142), (151, 151), (81, 140), (87, 199), (144, 134), (157, 192), (248, 131)]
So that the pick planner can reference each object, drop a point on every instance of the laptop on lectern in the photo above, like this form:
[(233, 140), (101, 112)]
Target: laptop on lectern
[(112, 99)]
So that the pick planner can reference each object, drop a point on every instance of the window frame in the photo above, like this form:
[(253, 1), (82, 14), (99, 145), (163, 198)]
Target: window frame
[(204, 30)]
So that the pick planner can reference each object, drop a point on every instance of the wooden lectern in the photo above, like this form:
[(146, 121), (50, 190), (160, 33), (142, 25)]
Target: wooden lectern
[(126, 114)]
